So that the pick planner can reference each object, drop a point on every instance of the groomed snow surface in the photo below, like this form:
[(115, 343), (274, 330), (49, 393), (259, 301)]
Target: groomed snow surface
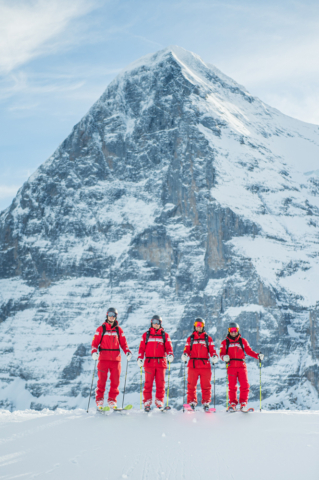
[(70, 445)]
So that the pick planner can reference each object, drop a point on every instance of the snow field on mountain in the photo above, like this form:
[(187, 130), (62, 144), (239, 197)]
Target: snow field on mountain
[(66, 445)]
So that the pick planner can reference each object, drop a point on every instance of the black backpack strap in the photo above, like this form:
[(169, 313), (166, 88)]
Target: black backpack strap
[(192, 341), (147, 337), (163, 337), (227, 345), (118, 332), (241, 344), (103, 333), (206, 341)]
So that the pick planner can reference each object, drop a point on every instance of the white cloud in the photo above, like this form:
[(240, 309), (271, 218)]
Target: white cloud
[(31, 28), (8, 191)]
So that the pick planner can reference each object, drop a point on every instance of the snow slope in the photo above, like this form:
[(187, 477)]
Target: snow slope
[(66, 445)]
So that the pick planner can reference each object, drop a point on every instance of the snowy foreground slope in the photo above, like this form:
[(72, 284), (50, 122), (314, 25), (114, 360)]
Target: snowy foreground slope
[(180, 194), (66, 445)]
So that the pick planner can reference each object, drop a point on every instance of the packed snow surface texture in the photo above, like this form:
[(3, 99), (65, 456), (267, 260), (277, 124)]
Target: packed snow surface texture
[(67, 445), (179, 194)]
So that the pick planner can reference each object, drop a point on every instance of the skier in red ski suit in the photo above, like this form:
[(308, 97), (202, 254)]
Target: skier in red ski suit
[(107, 340), (234, 356), (199, 347), (157, 352)]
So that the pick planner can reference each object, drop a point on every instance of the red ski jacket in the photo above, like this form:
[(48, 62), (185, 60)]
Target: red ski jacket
[(235, 351), (111, 342), (199, 354), (155, 350)]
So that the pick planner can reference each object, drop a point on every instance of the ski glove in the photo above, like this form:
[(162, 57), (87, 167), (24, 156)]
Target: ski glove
[(214, 359), (261, 356), (95, 356), (184, 357), (170, 358), (226, 358), (129, 356), (140, 362)]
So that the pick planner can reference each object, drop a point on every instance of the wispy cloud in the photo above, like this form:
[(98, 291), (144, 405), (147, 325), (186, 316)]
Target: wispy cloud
[(31, 28)]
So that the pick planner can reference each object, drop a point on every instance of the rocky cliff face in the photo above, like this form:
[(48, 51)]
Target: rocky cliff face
[(179, 194)]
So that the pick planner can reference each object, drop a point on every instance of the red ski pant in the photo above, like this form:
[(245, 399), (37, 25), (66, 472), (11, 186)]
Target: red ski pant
[(113, 369), (240, 374), (205, 375), (151, 373)]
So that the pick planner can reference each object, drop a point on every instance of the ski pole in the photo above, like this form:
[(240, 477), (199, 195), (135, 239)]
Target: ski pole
[(214, 385), (91, 386), (260, 382), (124, 384), (169, 373), (184, 388), (141, 382), (226, 386)]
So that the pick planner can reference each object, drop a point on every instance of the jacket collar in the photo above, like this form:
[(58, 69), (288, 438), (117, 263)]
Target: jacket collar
[(109, 327), (234, 339), (156, 332), (199, 335)]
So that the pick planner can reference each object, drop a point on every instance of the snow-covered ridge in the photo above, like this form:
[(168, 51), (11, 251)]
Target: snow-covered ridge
[(178, 193)]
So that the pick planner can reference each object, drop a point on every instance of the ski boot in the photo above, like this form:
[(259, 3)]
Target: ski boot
[(206, 407), (99, 405), (192, 405), (159, 404), (147, 408), (245, 409), (232, 408), (112, 405)]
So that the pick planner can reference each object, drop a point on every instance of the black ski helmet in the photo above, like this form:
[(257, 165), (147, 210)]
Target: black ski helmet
[(112, 310), (233, 325), (157, 317), (198, 319)]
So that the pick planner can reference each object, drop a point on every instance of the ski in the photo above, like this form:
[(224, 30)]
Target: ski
[(128, 407), (114, 409), (247, 410), (103, 409), (210, 410), (165, 409), (188, 407)]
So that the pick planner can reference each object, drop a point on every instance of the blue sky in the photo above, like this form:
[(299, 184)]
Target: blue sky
[(58, 56)]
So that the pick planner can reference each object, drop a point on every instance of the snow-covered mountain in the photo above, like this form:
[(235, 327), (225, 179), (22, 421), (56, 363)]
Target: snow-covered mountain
[(180, 194)]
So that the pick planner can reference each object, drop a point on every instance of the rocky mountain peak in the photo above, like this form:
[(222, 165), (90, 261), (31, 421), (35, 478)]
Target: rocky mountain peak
[(179, 194)]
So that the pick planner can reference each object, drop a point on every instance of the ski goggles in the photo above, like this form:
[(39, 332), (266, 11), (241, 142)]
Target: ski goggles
[(198, 324), (233, 330), (155, 321), (111, 314)]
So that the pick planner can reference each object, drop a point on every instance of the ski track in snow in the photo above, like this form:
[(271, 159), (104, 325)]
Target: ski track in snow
[(64, 445)]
